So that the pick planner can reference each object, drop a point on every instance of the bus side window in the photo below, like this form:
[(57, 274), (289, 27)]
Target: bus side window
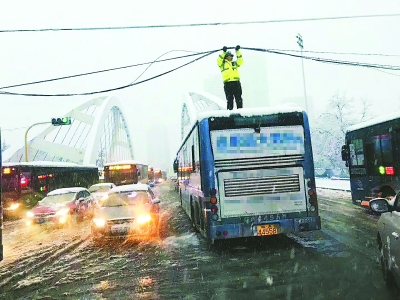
[(370, 158)]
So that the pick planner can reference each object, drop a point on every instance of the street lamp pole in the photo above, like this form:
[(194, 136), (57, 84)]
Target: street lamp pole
[(300, 43), (26, 138)]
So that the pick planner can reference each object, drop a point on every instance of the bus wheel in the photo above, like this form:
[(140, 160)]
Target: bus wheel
[(192, 217)]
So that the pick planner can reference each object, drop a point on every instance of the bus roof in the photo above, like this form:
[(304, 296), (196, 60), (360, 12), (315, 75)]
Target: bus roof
[(46, 164), (374, 121), (248, 112), (125, 162)]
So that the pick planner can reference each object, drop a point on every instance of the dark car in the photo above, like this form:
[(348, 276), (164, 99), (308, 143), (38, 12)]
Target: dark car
[(130, 210), (388, 238), (61, 206)]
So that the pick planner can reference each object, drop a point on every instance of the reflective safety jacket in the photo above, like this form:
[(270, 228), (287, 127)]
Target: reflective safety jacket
[(230, 70)]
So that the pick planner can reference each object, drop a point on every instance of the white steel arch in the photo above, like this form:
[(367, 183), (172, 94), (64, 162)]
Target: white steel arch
[(98, 134), (195, 102)]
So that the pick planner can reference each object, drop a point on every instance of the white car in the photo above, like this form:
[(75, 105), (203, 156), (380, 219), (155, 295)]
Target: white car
[(100, 191)]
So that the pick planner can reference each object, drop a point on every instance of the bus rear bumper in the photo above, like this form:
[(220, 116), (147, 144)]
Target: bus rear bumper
[(238, 230)]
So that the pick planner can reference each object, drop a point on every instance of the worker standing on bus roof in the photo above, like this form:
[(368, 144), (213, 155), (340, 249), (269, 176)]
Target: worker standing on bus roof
[(230, 76)]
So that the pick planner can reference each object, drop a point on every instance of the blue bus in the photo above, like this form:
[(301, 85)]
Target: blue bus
[(372, 154), (248, 172)]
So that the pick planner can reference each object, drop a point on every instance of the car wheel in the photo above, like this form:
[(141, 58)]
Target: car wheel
[(387, 274)]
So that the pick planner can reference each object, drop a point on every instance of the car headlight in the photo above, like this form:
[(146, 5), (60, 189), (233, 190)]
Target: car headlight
[(30, 214), (142, 219), (99, 222), (62, 212), (14, 206)]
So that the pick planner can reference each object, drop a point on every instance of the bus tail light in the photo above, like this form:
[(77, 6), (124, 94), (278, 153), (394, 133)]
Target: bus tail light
[(214, 209), (311, 192), (389, 170), (213, 200), (24, 181)]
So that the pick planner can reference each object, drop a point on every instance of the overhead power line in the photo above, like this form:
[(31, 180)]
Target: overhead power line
[(173, 58), (100, 71), (339, 53), (111, 89), (317, 59), (200, 24)]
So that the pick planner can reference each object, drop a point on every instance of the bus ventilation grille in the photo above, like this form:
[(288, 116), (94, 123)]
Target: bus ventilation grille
[(260, 161), (261, 185)]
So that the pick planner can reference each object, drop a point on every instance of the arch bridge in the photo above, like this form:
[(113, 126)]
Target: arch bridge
[(98, 134)]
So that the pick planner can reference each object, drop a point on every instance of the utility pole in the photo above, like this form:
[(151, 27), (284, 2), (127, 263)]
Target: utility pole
[(54, 122), (300, 43), (26, 138)]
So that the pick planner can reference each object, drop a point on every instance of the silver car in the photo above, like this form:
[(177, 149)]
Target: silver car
[(388, 238), (128, 211)]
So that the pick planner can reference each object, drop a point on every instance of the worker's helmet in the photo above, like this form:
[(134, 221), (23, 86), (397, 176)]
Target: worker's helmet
[(229, 53)]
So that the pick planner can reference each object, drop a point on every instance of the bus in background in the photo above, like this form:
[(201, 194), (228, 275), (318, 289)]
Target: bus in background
[(125, 172), (248, 172), (372, 154), (151, 174), (25, 183), (158, 177), (155, 175)]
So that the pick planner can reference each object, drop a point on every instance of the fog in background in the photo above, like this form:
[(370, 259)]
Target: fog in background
[(153, 109)]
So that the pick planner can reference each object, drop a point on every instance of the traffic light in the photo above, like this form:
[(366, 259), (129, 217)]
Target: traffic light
[(61, 121)]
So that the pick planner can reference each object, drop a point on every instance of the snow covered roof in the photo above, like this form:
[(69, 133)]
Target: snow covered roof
[(46, 164), (374, 121), (107, 184), (124, 162), (66, 191), (129, 187), (249, 112)]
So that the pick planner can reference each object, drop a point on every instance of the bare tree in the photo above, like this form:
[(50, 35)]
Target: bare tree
[(330, 128), (4, 146)]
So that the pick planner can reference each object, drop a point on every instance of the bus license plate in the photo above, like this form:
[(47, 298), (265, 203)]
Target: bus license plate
[(267, 229)]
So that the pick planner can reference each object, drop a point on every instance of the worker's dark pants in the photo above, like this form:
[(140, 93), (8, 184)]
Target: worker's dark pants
[(233, 89)]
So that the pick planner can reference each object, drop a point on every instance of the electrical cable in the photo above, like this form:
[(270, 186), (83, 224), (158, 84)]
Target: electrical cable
[(111, 89), (99, 71), (340, 53), (326, 60), (156, 60), (318, 59), (178, 57), (200, 24)]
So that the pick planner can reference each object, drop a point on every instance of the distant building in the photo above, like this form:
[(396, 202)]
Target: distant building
[(301, 103), (254, 79), (214, 85), (158, 154)]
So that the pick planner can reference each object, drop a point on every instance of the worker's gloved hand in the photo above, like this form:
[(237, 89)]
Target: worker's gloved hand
[(224, 48), (237, 48)]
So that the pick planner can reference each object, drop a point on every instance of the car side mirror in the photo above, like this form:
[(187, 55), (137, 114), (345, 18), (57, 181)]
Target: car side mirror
[(155, 201), (379, 205), (345, 153), (176, 165)]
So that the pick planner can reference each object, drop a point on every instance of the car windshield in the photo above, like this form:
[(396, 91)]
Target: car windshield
[(99, 188), (113, 200), (58, 198), (134, 197)]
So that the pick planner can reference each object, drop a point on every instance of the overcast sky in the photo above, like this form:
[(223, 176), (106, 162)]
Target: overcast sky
[(32, 56)]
